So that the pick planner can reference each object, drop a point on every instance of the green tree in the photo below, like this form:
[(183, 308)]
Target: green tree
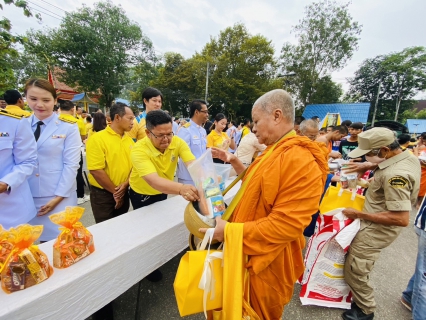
[(178, 83), (26, 66), (421, 114), (326, 91), (95, 48), (8, 52), (405, 74), (401, 76), (327, 38), (241, 68)]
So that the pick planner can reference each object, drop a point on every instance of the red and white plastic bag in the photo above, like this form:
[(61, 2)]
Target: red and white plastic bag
[(323, 282)]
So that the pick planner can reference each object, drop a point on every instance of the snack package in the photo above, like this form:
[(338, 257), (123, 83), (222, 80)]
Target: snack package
[(203, 174), (25, 264), (5, 247), (74, 242)]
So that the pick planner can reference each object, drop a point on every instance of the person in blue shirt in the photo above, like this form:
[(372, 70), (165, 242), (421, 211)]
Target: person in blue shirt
[(194, 135), (53, 182), (18, 158), (175, 125), (233, 132), (414, 296)]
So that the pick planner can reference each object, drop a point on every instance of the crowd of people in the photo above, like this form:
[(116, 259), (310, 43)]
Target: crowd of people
[(141, 159)]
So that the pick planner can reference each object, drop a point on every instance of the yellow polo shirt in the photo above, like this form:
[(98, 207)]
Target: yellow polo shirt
[(89, 127), (80, 123), (17, 111), (216, 140), (81, 126), (244, 132), (109, 151), (146, 159), (138, 130)]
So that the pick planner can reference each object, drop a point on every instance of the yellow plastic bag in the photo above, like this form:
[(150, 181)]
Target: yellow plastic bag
[(199, 279), (236, 286), (74, 242), (5, 247), (332, 200), (26, 265)]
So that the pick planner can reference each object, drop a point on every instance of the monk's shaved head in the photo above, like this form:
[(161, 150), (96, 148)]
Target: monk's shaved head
[(309, 128), (277, 99), (308, 124)]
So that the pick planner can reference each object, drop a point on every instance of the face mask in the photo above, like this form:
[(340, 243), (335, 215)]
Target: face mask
[(374, 159)]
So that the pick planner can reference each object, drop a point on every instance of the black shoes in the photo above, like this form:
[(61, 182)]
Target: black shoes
[(155, 276), (355, 313)]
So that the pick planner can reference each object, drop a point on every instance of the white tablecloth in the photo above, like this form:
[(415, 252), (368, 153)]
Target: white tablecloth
[(127, 249)]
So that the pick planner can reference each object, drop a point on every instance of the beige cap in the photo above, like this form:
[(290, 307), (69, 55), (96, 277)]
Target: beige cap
[(374, 138)]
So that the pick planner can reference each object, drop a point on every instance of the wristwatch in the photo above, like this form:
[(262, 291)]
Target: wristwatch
[(8, 188)]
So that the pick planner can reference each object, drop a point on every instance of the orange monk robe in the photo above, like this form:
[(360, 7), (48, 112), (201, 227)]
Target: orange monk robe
[(422, 191), (276, 207), (324, 149), (330, 146)]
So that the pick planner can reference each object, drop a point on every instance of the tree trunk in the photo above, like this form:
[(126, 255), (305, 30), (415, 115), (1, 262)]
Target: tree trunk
[(398, 102)]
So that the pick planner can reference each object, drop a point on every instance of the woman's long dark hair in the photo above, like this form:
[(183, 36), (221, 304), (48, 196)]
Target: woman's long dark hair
[(99, 122), (219, 116)]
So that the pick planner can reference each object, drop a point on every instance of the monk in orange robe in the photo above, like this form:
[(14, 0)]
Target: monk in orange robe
[(281, 196)]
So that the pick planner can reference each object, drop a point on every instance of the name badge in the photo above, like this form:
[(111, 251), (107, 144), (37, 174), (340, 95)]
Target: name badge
[(59, 136), (4, 134)]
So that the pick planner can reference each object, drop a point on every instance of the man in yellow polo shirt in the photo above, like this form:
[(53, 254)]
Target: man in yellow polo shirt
[(154, 160), (152, 100), (15, 103), (246, 128), (108, 160), (66, 108)]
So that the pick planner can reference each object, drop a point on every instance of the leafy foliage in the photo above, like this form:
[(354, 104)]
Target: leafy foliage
[(8, 52), (327, 38), (94, 48), (401, 75), (241, 68)]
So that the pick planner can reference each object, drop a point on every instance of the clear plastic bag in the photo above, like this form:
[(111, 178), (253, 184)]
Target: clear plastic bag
[(203, 174), (74, 242), (222, 172), (25, 265)]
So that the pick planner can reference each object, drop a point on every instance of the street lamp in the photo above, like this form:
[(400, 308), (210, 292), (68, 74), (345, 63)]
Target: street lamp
[(286, 75), (290, 74)]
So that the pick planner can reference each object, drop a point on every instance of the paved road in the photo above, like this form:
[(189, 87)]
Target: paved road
[(390, 276)]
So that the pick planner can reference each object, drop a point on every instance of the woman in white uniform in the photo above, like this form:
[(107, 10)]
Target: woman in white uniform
[(53, 182)]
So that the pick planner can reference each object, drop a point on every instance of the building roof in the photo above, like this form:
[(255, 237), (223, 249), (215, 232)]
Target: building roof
[(83, 97), (421, 105), (356, 112), (60, 86), (127, 102), (416, 125)]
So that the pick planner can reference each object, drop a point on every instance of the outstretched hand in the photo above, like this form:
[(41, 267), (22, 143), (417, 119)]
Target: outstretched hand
[(358, 167), (223, 155)]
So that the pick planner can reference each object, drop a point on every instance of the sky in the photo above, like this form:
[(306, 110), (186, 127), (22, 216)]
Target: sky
[(185, 26)]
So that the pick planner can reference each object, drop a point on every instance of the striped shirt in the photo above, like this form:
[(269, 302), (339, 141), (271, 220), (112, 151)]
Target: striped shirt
[(420, 221)]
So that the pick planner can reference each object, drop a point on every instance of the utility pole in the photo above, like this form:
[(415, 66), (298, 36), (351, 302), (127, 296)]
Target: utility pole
[(207, 82), (375, 105)]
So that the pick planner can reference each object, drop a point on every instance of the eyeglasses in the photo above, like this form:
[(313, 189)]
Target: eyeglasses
[(204, 111), (161, 137)]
